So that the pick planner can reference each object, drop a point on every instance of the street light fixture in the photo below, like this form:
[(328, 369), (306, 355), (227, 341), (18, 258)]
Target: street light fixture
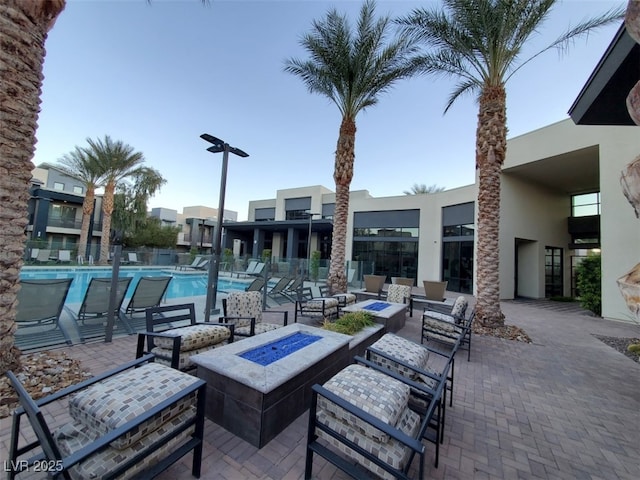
[(214, 266), (310, 214)]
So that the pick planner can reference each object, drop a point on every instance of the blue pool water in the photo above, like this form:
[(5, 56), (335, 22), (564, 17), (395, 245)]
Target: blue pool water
[(271, 352), (182, 285)]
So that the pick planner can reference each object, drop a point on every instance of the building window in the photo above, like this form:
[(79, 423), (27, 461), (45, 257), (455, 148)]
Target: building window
[(585, 205), (78, 190), (58, 186), (62, 216), (297, 215)]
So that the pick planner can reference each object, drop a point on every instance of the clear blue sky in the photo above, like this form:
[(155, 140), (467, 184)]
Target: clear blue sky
[(158, 75)]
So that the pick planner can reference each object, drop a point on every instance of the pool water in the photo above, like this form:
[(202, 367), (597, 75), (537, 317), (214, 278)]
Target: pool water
[(182, 285)]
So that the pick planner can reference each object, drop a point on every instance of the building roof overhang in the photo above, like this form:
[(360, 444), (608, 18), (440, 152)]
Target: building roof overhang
[(602, 100), (320, 225)]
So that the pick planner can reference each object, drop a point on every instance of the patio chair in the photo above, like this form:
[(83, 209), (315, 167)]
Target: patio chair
[(275, 292), (245, 310), (43, 256), (148, 293), (397, 293), (173, 343), (33, 256), (319, 308), (64, 256), (255, 285), (360, 421), (344, 299), (250, 269), (291, 292), (135, 420), (203, 265), (447, 326), (434, 290), (92, 316), (194, 264), (40, 304), (132, 258)]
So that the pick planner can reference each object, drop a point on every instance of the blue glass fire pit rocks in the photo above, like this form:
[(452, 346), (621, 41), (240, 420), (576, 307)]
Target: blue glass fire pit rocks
[(376, 306), (274, 351)]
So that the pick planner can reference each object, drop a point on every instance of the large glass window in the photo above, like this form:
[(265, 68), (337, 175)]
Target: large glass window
[(393, 259), (62, 216), (585, 204), (457, 266), (553, 272)]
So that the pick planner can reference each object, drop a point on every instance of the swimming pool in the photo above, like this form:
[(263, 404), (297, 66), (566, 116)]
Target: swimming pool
[(182, 284)]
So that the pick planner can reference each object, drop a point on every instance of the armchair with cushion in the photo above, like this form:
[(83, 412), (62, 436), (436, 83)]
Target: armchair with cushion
[(174, 336), (244, 309), (447, 326), (397, 293), (135, 420), (320, 308), (361, 422), (344, 299)]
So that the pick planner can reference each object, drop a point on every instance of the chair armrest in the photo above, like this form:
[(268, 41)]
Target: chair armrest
[(285, 315)]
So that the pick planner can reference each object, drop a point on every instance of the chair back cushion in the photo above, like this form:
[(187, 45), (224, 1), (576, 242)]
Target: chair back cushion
[(244, 304), (194, 336), (459, 308), (398, 293)]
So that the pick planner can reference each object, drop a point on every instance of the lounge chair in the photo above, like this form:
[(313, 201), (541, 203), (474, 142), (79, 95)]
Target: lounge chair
[(256, 285), (258, 269), (34, 254), (43, 256), (132, 257), (91, 318), (275, 293), (40, 304), (203, 265), (194, 264), (64, 256), (148, 293), (250, 269)]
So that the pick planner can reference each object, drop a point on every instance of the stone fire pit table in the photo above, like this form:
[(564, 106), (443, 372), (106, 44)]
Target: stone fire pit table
[(391, 315), (256, 401)]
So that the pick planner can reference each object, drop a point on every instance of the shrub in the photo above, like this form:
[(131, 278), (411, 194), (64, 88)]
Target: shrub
[(350, 323), (588, 276)]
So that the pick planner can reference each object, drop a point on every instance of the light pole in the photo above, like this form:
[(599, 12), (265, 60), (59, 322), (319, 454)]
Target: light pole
[(214, 266), (309, 244)]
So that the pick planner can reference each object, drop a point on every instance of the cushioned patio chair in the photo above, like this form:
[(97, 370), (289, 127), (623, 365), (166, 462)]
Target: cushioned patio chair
[(447, 326), (92, 316), (319, 308), (135, 420), (173, 335), (40, 304), (344, 299), (147, 293), (397, 293), (244, 309), (361, 422)]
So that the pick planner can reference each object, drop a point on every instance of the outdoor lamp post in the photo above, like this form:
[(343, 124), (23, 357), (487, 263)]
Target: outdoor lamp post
[(214, 266), (309, 244)]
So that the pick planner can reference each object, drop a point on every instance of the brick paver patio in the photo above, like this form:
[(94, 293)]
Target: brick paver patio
[(566, 406)]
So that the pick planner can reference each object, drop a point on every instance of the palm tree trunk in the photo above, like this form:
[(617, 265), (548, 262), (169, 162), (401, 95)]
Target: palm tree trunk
[(107, 211), (87, 210), (343, 173), (23, 31), (491, 147)]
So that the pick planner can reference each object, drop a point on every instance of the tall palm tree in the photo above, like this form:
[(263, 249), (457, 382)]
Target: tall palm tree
[(117, 161), (23, 33), (479, 42), (423, 189), (351, 68), (81, 165)]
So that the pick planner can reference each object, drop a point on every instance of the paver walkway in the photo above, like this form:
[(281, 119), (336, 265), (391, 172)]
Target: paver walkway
[(566, 406)]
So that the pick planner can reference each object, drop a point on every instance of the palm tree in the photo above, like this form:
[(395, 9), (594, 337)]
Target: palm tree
[(81, 165), (423, 189), (24, 30), (117, 161), (351, 68), (479, 42)]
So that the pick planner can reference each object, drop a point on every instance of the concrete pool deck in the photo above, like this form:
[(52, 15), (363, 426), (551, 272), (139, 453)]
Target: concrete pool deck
[(563, 407)]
